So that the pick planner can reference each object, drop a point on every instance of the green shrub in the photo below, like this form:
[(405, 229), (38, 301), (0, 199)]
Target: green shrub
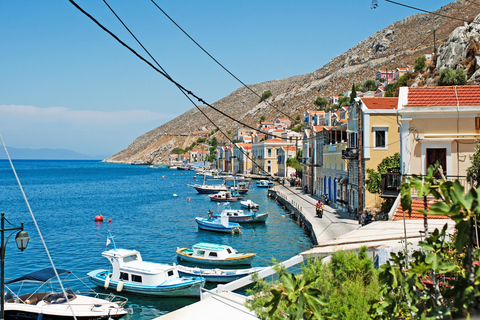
[(448, 77), (265, 96), (420, 64)]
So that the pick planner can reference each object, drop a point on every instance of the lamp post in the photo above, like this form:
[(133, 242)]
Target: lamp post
[(21, 239)]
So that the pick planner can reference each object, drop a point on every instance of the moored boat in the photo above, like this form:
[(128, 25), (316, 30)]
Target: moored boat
[(225, 196), (214, 254), (220, 224), (131, 274), (237, 215), (54, 305), (265, 184), (217, 275), (249, 204)]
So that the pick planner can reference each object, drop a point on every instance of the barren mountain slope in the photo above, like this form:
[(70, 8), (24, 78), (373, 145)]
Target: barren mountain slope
[(395, 46)]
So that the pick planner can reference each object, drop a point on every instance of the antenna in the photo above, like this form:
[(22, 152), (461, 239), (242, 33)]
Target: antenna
[(374, 4)]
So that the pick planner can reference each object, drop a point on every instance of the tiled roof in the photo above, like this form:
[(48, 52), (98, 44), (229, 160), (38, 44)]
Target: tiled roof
[(289, 148), (278, 130), (283, 119), (444, 96), (380, 103), (273, 140), (318, 128), (316, 112), (416, 215)]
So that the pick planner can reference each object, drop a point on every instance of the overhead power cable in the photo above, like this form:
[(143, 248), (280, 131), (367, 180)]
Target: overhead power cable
[(430, 12), (163, 72), (223, 67)]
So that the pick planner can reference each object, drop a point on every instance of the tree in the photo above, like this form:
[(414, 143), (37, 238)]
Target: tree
[(353, 95), (420, 64), (262, 118), (296, 164), (214, 142), (373, 182), (345, 101), (370, 85), (178, 151), (473, 172), (321, 102), (265, 96)]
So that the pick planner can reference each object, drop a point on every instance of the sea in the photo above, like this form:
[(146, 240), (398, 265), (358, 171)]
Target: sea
[(151, 210)]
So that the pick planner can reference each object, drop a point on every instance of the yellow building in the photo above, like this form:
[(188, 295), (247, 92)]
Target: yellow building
[(265, 154), (439, 124), (381, 139)]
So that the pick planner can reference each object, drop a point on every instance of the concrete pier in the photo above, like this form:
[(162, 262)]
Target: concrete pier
[(334, 223)]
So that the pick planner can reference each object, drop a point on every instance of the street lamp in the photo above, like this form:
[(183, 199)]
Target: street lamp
[(21, 239)]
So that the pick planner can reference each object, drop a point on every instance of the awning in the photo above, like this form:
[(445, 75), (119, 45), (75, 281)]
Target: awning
[(40, 276)]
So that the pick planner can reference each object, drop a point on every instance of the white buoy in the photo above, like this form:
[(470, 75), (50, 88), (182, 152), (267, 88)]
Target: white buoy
[(107, 281), (174, 194), (120, 286)]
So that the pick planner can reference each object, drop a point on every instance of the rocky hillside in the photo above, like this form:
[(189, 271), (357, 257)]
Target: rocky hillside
[(397, 45)]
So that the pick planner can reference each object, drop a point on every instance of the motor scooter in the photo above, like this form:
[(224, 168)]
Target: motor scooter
[(319, 211)]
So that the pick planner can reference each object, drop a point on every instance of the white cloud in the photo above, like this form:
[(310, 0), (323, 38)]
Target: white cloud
[(86, 131)]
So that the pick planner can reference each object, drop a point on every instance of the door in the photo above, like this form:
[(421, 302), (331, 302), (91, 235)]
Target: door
[(439, 155)]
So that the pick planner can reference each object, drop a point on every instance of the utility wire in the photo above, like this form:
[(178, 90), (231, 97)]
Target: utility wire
[(164, 73), (430, 12), (224, 68)]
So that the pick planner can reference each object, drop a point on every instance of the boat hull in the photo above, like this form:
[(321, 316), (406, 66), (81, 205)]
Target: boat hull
[(217, 275), (187, 289), (203, 190), (239, 261), (28, 315), (206, 224), (220, 199), (261, 217)]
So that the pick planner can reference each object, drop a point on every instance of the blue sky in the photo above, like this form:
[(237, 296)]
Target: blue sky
[(65, 83)]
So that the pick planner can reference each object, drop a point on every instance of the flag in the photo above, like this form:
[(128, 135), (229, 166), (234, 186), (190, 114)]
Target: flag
[(108, 241)]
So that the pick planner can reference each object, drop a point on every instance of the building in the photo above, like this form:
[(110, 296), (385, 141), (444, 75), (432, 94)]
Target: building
[(380, 139), (283, 123), (265, 154), (401, 71), (439, 124), (287, 152), (314, 118), (199, 155), (242, 157), (387, 75)]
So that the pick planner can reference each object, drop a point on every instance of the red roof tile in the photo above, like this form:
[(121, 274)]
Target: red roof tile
[(444, 96), (380, 103), (416, 215), (273, 140)]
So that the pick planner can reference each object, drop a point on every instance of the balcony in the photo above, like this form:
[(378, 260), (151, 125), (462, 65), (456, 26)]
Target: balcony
[(350, 153)]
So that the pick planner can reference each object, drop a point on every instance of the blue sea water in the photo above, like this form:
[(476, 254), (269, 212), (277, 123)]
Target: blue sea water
[(65, 196)]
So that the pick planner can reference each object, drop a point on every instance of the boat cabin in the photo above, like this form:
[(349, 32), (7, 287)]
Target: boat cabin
[(128, 266), (212, 251)]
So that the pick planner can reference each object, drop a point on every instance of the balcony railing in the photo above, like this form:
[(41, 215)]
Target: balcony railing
[(350, 153)]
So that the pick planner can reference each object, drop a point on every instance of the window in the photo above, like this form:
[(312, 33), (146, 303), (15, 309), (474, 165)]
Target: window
[(170, 273), (439, 155), (130, 258), (212, 254), (200, 252), (269, 169), (335, 166), (136, 278), (123, 276), (380, 138), (228, 250), (269, 152)]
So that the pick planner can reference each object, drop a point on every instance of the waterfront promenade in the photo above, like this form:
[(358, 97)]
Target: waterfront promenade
[(334, 223)]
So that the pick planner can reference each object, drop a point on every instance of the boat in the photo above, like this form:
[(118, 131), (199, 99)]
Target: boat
[(238, 215), (214, 254), (241, 187), (209, 188), (225, 196), (220, 224), (249, 204), (217, 275), (185, 168), (54, 305), (265, 184), (131, 274)]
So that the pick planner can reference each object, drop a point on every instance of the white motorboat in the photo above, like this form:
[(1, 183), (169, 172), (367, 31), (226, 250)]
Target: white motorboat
[(59, 305), (214, 254), (249, 204), (131, 274), (217, 275)]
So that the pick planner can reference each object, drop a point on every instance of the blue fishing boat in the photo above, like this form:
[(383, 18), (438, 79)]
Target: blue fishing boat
[(220, 224), (238, 215), (265, 184), (131, 274)]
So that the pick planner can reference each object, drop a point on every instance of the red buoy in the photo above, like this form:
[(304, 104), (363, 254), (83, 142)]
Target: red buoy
[(99, 218)]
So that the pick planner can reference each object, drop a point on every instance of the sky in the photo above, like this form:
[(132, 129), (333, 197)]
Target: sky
[(65, 83)]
